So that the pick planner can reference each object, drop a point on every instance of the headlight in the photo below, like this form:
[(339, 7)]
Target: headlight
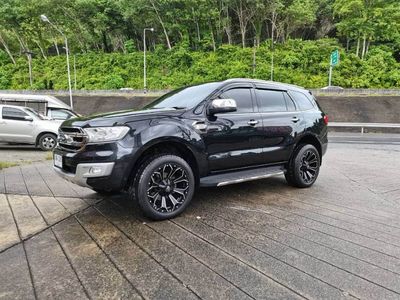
[(106, 134)]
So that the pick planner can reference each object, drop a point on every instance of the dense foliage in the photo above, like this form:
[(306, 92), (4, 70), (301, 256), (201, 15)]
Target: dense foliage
[(199, 40)]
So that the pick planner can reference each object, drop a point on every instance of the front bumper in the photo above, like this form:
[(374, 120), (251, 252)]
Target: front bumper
[(85, 171)]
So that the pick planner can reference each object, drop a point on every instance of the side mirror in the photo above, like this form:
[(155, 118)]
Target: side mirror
[(219, 106), (28, 118)]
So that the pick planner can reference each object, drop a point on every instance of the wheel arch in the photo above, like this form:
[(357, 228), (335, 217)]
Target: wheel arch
[(173, 146)]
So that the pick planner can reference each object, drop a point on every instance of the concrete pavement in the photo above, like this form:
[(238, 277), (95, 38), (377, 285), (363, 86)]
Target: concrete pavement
[(339, 239)]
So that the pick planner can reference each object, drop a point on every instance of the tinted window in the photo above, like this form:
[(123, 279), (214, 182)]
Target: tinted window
[(242, 96), (13, 113), (34, 112), (289, 103), (302, 101), (271, 100), (187, 97)]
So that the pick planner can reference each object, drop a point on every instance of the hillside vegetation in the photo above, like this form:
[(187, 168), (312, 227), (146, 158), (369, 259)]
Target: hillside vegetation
[(199, 40)]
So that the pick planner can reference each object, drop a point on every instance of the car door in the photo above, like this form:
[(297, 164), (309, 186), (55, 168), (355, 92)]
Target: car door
[(234, 139), (15, 127), (281, 123)]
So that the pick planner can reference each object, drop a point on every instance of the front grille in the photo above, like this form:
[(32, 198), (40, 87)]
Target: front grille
[(72, 138)]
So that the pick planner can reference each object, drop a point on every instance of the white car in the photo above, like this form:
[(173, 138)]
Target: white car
[(24, 125)]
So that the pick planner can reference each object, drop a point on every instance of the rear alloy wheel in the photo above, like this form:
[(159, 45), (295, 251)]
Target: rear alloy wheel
[(47, 142), (303, 169), (164, 186)]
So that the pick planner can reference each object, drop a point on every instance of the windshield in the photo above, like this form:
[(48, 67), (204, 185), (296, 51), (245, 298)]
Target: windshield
[(35, 113), (186, 97)]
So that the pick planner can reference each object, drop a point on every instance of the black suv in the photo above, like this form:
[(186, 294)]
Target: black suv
[(211, 134)]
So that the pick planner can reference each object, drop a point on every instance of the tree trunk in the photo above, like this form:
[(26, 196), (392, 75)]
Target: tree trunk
[(56, 46), (257, 29), (367, 48), (358, 47), (347, 43), (3, 42), (162, 24), (243, 34), (41, 49), (105, 43), (227, 27), (21, 42), (213, 38), (364, 47), (197, 25)]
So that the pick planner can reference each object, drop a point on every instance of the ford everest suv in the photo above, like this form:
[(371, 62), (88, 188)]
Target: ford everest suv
[(211, 134)]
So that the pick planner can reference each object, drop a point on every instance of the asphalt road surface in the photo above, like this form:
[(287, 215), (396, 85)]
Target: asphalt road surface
[(339, 239)]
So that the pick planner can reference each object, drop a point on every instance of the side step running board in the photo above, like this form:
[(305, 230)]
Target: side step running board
[(241, 176)]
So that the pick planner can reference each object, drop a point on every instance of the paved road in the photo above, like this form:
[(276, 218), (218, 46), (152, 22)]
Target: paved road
[(338, 240), (21, 154)]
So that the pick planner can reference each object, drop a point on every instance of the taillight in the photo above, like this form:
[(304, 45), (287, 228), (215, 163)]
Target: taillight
[(326, 119)]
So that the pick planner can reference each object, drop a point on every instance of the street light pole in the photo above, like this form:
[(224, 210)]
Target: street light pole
[(45, 19), (272, 59), (144, 59)]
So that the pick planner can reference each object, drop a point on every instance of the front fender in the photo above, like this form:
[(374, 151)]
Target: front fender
[(180, 134)]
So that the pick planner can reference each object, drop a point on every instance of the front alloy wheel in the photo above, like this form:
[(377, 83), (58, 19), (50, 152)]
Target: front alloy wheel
[(164, 185), (167, 188), (47, 142)]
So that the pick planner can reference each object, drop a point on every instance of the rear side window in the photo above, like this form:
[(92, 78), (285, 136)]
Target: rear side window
[(289, 102), (271, 100), (302, 100), (242, 96), (11, 113)]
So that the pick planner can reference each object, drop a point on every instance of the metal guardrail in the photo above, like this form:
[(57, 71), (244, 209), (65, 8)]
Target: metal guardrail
[(364, 125)]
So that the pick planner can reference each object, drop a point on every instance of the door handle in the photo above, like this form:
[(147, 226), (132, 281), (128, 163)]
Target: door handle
[(295, 119), (252, 122)]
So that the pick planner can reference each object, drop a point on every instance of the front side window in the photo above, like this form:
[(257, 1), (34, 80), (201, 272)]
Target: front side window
[(302, 100), (242, 96), (11, 113), (271, 101), (35, 113)]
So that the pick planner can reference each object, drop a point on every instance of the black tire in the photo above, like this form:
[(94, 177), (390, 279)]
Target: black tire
[(163, 186), (47, 142), (303, 168)]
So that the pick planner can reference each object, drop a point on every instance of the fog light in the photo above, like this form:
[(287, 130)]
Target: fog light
[(95, 170)]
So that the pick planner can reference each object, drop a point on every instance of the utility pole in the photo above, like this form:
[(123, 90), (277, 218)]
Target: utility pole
[(74, 73), (45, 19), (254, 59), (272, 59), (144, 59)]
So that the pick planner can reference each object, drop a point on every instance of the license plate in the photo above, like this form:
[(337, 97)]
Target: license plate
[(58, 160)]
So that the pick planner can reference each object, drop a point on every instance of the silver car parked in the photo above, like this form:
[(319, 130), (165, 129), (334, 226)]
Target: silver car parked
[(24, 125)]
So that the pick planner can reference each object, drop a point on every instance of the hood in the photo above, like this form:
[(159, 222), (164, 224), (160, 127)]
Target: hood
[(122, 117)]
